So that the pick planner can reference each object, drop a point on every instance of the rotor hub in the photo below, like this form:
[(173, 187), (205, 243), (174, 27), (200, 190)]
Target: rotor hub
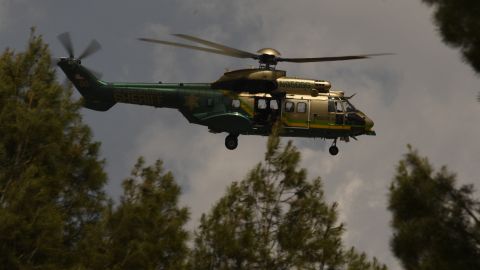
[(268, 57), (269, 51)]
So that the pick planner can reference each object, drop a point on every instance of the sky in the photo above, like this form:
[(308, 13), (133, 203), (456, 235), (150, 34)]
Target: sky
[(424, 95)]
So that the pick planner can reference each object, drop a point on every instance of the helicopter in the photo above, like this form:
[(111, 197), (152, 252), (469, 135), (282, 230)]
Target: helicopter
[(240, 102)]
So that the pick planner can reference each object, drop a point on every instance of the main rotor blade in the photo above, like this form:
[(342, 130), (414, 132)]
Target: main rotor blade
[(175, 44), (66, 42), (232, 51), (328, 59), (92, 48)]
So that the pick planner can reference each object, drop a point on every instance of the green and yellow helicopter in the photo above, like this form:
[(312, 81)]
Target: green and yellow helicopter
[(240, 102)]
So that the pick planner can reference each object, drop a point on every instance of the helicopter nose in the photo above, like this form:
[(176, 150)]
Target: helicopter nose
[(368, 123)]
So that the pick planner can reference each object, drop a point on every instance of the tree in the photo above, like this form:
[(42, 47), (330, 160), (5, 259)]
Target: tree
[(146, 230), (458, 23), (274, 219), (435, 224), (51, 179)]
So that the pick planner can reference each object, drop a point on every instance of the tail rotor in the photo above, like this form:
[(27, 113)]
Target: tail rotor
[(66, 41), (92, 48)]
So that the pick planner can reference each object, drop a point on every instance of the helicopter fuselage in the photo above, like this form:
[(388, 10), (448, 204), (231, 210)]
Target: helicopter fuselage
[(305, 108)]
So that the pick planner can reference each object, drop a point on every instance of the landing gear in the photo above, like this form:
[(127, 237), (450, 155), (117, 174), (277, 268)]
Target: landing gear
[(231, 141), (333, 149)]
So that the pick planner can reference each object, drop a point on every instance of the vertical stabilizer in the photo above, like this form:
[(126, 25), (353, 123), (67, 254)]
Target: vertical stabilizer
[(97, 96)]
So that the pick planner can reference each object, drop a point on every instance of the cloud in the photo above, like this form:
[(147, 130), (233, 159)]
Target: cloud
[(4, 5), (423, 95), (13, 11), (199, 160), (346, 195)]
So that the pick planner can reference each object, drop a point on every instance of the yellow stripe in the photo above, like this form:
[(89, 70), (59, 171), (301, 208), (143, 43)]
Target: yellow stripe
[(249, 110), (243, 104), (245, 107), (330, 127)]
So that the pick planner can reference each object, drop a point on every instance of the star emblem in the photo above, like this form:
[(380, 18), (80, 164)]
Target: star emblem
[(81, 81), (191, 102), (79, 77)]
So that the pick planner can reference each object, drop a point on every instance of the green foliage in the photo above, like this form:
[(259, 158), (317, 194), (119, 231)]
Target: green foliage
[(53, 210), (458, 23), (146, 230), (274, 219), (356, 261), (51, 180), (54, 213), (435, 224)]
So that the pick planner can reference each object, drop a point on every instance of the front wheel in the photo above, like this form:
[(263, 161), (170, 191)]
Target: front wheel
[(231, 142), (333, 150)]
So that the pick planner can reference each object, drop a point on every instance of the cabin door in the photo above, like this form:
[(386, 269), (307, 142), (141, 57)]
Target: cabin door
[(296, 113), (336, 112), (266, 110)]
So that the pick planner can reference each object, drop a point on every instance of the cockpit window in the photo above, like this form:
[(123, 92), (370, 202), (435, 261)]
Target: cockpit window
[(338, 106), (348, 106)]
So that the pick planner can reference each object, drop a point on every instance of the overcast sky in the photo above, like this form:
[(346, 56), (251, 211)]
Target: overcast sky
[(424, 95)]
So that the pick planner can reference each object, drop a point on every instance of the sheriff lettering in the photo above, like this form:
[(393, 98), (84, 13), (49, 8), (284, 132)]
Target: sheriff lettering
[(295, 84), (136, 97)]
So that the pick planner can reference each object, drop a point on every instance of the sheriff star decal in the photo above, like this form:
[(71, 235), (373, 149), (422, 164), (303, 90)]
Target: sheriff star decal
[(191, 102), (81, 81)]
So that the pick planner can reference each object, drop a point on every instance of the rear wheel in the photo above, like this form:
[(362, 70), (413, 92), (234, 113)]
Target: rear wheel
[(231, 141)]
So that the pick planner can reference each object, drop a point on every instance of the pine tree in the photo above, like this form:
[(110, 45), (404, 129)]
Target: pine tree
[(146, 230), (436, 225), (274, 219), (51, 179), (459, 25)]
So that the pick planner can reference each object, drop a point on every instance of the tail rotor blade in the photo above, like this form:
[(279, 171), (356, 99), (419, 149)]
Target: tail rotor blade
[(92, 48), (66, 42)]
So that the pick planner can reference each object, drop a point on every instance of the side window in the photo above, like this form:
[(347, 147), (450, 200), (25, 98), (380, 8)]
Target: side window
[(289, 106), (262, 104), (273, 104), (301, 107), (236, 103)]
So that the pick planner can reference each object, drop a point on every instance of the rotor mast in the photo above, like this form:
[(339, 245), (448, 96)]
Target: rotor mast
[(267, 58)]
